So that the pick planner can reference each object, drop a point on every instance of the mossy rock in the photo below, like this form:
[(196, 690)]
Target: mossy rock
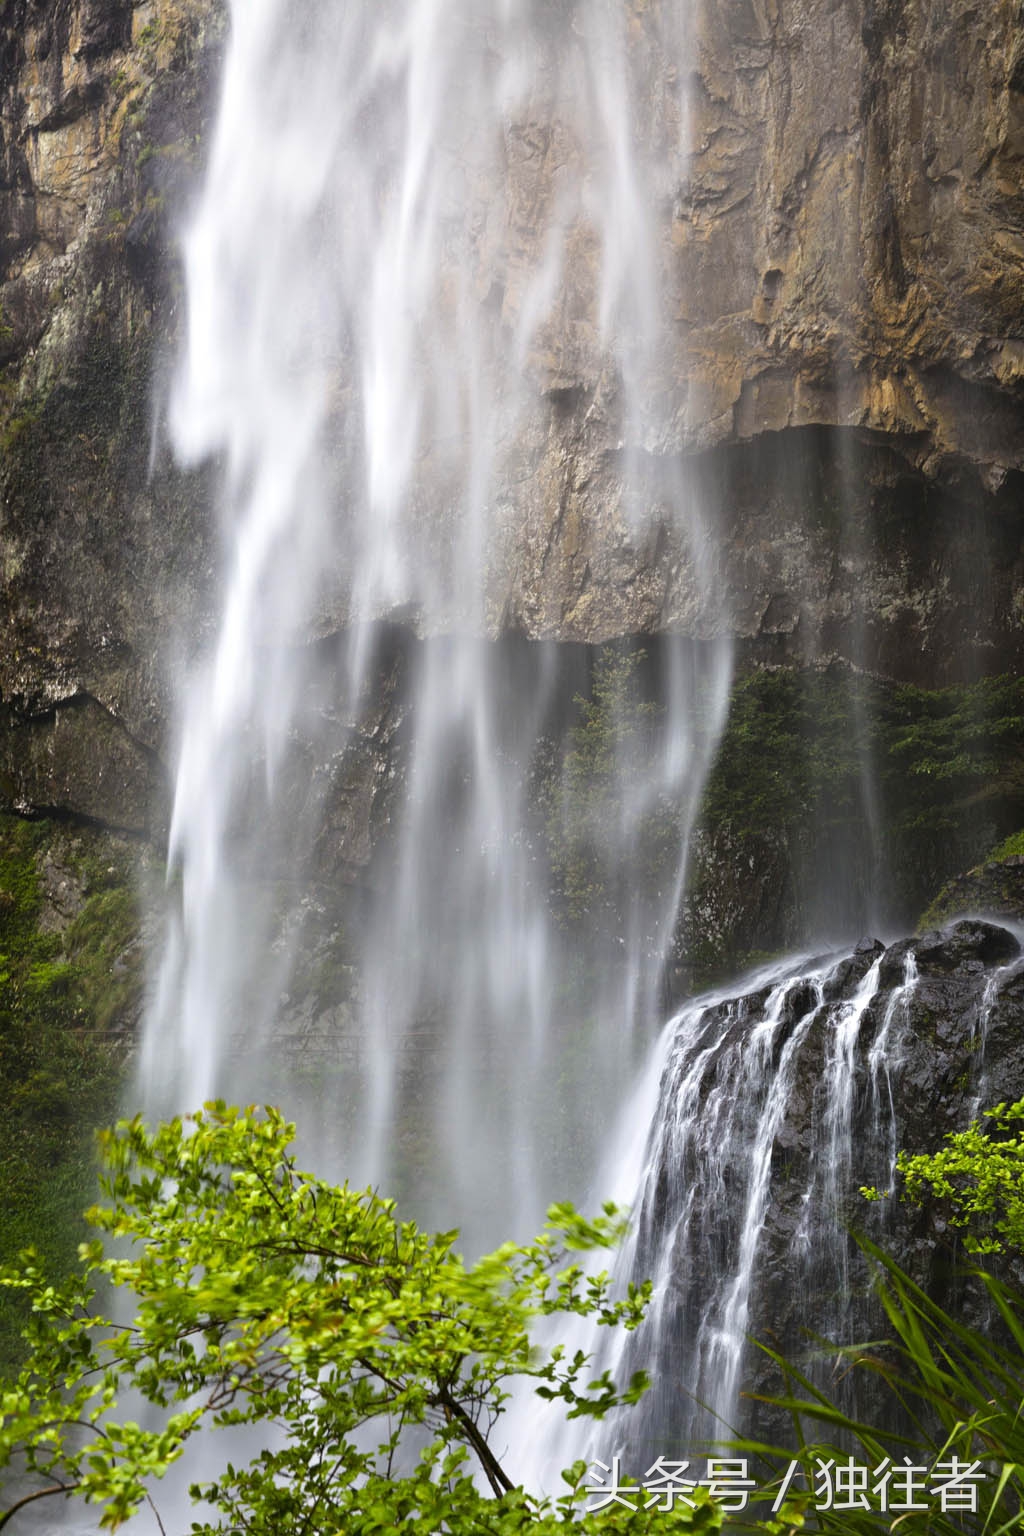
[(70, 994), (838, 801), (994, 888)]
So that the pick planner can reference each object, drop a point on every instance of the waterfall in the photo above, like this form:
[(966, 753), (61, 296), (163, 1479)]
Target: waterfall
[(721, 1145), (429, 229), (764, 1109), (760, 1107), (413, 210)]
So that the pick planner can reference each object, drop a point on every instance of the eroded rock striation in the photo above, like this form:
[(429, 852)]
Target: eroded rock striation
[(844, 255), (105, 553), (839, 372), (776, 1106)]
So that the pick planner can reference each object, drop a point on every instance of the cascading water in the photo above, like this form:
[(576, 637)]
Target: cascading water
[(368, 311), (760, 1117), (723, 1127), (382, 314)]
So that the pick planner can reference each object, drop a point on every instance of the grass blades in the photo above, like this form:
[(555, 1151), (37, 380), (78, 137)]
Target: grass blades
[(958, 1390)]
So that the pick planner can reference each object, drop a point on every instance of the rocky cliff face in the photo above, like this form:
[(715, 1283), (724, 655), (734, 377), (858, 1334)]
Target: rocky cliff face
[(841, 367), (851, 227), (102, 108), (810, 1082), (845, 257)]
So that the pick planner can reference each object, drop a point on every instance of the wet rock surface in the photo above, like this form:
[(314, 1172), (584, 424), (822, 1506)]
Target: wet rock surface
[(995, 887), (840, 376), (812, 1084), (106, 549)]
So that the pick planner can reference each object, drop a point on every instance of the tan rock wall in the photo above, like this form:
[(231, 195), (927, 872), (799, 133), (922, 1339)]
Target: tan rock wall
[(851, 230), (843, 251), (841, 373), (102, 108)]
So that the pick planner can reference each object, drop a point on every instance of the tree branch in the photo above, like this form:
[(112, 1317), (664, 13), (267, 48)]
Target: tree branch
[(156, 1514), (30, 1498), (493, 1470)]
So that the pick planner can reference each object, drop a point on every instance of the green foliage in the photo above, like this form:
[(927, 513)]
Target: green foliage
[(787, 790), (790, 743), (610, 741), (788, 793), (58, 1081), (104, 959), (796, 739), (960, 745), (784, 799), (958, 1388), (265, 1296), (995, 886), (979, 1179), (18, 425), (1012, 847), (959, 1395)]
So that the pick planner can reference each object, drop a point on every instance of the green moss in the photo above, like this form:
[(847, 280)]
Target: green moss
[(1012, 847), (790, 746), (105, 969), (786, 800), (17, 426), (326, 973), (60, 1074), (795, 743), (19, 878), (995, 887), (47, 981), (828, 787)]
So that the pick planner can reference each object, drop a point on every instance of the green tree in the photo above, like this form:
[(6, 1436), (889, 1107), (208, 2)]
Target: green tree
[(265, 1296), (979, 1179), (612, 739)]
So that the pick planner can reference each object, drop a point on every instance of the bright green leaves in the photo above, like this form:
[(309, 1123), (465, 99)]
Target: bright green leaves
[(978, 1178), (262, 1295), (959, 1384)]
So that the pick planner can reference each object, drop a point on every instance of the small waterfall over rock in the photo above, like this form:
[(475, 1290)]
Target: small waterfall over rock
[(773, 1108)]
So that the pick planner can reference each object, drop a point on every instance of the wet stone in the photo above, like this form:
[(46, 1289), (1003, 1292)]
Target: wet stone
[(755, 1172), (965, 942)]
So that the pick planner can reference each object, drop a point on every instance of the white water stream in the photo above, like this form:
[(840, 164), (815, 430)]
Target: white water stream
[(410, 207)]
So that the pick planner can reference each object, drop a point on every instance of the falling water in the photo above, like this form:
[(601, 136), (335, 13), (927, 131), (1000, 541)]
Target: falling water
[(381, 280), (982, 1089), (416, 213), (769, 1107), (886, 1059)]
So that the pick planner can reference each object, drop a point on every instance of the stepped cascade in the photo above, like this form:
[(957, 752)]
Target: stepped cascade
[(772, 1109), (762, 1110)]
